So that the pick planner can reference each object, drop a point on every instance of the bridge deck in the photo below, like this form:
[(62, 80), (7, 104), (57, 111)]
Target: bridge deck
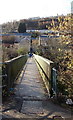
[(32, 84), (31, 97)]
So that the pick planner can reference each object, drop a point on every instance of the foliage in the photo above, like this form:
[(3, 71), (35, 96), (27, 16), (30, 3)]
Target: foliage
[(8, 39), (9, 53), (22, 51), (62, 88), (35, 34), (59, 50), (22, 27), (55, 22)]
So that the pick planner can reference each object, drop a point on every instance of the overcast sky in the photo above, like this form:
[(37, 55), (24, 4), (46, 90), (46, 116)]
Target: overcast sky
[(21, 9)]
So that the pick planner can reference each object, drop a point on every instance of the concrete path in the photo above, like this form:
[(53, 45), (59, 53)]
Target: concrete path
[(33, 101)]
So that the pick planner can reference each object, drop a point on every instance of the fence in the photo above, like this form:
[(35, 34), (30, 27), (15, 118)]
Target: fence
[(45, 67), (11, 69)]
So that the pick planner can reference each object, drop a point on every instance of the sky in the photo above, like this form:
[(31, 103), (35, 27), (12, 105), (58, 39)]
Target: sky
[(22, 9)]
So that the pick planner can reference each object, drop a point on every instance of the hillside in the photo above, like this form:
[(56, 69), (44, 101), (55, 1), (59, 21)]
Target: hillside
[(61, 23)]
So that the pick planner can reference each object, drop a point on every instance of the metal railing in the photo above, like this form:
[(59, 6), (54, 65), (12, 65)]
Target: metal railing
[(11, 70), (45, 67)]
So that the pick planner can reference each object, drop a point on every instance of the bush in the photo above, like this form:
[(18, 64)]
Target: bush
[(22, 51), (8, 39), (22, 28)]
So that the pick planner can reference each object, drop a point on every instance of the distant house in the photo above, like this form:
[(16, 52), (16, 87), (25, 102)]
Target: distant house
[(43, 40)]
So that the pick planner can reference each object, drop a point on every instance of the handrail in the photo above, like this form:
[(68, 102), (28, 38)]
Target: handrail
[(12, 68), (8, 61), (45, 67)]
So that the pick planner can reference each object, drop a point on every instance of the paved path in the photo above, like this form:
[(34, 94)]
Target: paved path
[(33, 101)]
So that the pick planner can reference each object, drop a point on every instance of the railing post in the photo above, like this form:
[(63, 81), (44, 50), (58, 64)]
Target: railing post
[(54, 81), (8, 70)]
